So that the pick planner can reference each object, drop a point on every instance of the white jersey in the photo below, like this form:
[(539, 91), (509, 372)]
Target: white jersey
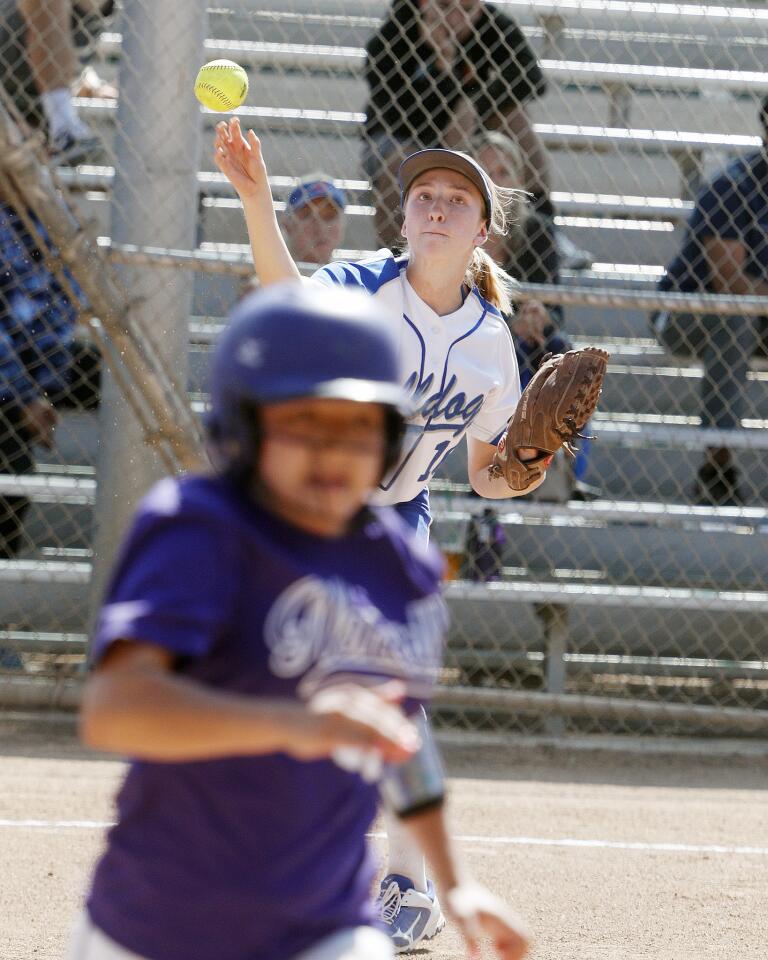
[(460, 370)]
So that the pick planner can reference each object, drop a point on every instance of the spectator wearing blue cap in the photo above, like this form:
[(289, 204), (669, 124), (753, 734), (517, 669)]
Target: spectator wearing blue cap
[(314, 219), (313, 223)]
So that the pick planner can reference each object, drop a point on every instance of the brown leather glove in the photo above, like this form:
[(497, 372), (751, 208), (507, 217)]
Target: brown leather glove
[(552, 412)]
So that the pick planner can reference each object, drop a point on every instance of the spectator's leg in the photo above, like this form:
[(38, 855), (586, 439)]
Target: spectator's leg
[(386, 199), (537, 179), (53, 62), (15, 458), (16, 73), (726, 355), (83, 391), (12, 512), (683, 334), (50, 50), (381, 160), (730, 344)]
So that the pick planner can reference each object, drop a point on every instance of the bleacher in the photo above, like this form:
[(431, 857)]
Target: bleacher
[(642, 572)]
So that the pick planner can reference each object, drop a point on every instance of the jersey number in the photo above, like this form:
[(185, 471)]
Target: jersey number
[(434, 462)]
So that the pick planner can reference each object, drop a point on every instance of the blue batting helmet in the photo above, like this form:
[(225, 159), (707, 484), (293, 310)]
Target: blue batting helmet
[(292, 340)]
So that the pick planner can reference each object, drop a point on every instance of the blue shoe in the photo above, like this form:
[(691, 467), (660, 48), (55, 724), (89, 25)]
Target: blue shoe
[(408, 915)]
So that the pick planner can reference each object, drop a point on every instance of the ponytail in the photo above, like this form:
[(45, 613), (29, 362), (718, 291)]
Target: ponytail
[(494, 284)]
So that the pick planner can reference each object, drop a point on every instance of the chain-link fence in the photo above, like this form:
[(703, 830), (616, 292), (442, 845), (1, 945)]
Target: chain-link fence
[(93, 365), (628, 593)]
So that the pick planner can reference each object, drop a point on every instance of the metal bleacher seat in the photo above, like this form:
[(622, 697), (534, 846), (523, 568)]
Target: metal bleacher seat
[(330, 142)]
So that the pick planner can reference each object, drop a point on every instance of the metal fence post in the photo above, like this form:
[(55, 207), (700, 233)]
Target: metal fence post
[(154, 202), (554, 618)]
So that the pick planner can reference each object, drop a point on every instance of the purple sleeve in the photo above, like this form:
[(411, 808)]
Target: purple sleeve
[(173, 586)]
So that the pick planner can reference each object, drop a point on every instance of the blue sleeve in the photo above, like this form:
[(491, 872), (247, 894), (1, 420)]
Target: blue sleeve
[(174, 585), (16, 386), (36, 316), (36, 336), (338, 275), (721, 210), (368, 275)]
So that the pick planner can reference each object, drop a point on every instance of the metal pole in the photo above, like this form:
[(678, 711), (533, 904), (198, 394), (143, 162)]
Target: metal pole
[(554, 617), (532, 703), (157, 152), (575, 296)]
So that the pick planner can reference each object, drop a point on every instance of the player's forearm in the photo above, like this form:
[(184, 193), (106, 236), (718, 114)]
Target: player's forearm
[(49, 46), (430, 832), (162, 717), (271, 258), (495, 487)]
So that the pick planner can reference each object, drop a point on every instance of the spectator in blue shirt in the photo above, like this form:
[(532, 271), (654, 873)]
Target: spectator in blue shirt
[(725, 251), (42, 365)]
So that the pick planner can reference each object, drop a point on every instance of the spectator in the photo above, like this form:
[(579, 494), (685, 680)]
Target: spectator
[(529, 253), (437, 70), (41, 363), (40, 41), (314, 220), (724, 250), (313, 223)]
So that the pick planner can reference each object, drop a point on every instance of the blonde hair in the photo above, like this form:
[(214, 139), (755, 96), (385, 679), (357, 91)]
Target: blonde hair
[(493, 283), (509, 214)]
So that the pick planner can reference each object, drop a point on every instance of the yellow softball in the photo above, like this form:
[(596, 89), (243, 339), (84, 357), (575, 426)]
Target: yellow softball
[(221, 85)]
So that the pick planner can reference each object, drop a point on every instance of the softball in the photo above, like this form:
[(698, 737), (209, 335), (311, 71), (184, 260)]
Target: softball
[(221, 85)]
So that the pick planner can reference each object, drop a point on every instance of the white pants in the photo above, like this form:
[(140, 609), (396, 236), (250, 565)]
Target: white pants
[(360, 943)]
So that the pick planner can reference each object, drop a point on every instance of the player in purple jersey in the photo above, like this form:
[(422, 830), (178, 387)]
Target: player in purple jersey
[(446, 297), (265, 640)]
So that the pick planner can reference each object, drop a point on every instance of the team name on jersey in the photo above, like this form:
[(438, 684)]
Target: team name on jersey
[(319, 628), (443, 409)]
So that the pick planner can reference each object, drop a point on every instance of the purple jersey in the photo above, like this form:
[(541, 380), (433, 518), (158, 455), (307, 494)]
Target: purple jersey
[(254, 858)]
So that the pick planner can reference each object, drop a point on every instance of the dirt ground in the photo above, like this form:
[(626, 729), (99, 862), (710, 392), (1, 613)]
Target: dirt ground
[(608, 854)]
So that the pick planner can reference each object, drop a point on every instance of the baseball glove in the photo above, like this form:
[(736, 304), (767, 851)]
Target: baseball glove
[(554, 408)]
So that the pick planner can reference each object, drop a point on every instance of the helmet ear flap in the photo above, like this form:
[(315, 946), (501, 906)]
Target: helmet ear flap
[(394, 427), (237, 443)]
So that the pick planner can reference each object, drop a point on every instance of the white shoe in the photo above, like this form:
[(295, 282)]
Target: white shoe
[(409, 915)]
